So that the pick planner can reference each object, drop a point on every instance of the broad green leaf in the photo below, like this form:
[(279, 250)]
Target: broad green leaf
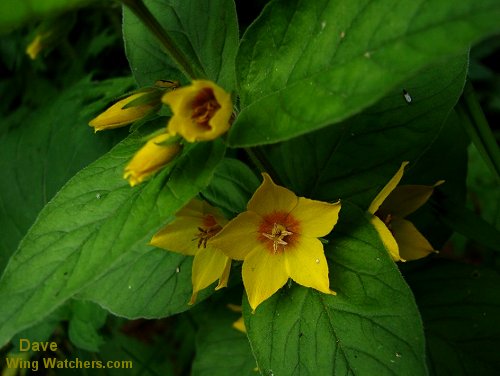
[(460, 306), (15, 13), (145, 282), (221, 349), (86, 320), (42, 331), (371, 327), (43, 148), (92, 223), (232, 186), (355, 159), (206, 31), (304, 65)]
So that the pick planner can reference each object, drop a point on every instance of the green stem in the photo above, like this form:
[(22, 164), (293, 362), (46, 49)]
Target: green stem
[(262, 164), (478, 128), (191, 71)]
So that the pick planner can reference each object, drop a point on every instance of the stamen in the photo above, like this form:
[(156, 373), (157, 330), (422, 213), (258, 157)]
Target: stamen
[(204, 107), (277, 235), (205, 234)]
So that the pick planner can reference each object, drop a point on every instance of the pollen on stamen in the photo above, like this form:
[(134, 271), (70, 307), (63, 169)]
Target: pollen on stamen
[(278, 231)]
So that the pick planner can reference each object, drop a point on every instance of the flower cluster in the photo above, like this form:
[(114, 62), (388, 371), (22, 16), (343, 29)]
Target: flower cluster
[(201, 112), (278, 237)]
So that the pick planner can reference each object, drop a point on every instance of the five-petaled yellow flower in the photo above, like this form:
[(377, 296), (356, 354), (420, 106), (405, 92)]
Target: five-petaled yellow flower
[(277, 239), (117, 116), (401, 238), (150, 158), (191, 234), (201, 111)]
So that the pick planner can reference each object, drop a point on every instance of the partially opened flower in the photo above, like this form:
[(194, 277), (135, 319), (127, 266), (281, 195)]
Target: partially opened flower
[(277, 239), (125, 112), (389, 208), (150, 158), (202, 111), (190, 234)]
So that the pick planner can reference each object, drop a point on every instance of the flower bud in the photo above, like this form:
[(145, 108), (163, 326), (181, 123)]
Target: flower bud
[(151, 158), (125, 112)]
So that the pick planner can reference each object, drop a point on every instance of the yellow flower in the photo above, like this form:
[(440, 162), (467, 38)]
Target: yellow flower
[(401, 238), (201, 111), (36, 45), (117, 116), (150, 158), (190, 234), (277, 239)]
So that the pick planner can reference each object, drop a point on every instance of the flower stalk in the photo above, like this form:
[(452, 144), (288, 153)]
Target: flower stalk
[(477, 127), (192, 71)]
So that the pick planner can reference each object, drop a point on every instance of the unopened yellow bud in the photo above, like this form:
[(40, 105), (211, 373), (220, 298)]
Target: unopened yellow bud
[(117, 116), (150, 158), (36, 45)]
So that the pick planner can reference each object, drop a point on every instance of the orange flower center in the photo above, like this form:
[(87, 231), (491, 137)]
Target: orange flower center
[(204, 107), (278, 230), (209, 228)]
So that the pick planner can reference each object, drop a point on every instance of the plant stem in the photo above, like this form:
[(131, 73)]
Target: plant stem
[(259, 160), (192, 71), (478, 128)]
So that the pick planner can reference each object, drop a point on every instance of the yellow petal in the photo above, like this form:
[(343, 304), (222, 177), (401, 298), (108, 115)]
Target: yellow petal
[(270, 197), (239, 237), (209, 264), (182, 100), (316, 218), (116, 116), (412, 244), (179, 236), (240, 325), (405, 199), (264, 273), (380, 198), (150, 158), (387, 238), (306, 264), (224, 278)]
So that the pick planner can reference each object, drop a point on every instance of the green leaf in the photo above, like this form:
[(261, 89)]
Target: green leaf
[(206, 31), (42, 331), (15, 13), (232, 186), (43, 148), (371, 327), (355, 159), (435, 165), (86, 319), (304, 65), (145, 282), (460, 306), (221, 349), (92, 223)]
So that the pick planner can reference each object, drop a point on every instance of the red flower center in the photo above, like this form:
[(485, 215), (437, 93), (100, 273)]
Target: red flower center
[(278, 230), (204, 107), (209, 228)]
